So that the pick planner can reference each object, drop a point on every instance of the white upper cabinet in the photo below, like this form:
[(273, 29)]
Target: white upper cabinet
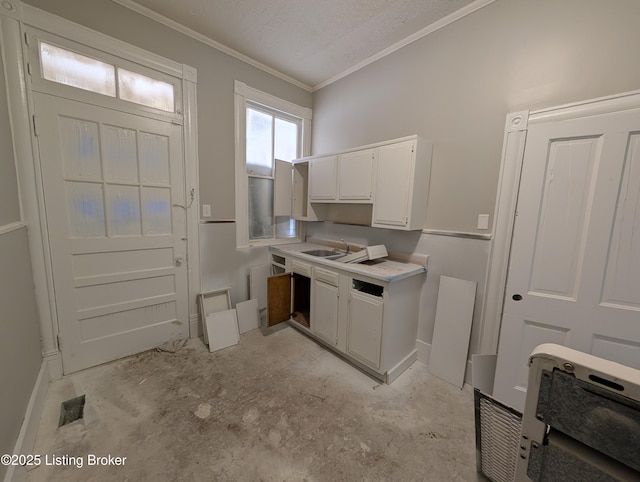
[(322, 178), (402, 185), (392, 176), (355, 175)]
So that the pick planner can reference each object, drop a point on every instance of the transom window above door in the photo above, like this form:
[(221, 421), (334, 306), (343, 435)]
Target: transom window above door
[(74, 69), (67, 68)]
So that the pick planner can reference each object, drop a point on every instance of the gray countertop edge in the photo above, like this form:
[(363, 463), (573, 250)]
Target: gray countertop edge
[(295, 249)]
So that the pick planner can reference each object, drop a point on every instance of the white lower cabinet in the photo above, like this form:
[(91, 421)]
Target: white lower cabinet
[(364, 328), (370, 322), (324, 316)]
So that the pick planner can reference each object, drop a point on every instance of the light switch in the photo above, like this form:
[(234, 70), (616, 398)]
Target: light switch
[(206, 210), (483, 221)]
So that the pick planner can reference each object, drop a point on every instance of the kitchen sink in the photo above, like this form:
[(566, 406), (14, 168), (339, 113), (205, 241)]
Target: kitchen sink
[(325, 253)]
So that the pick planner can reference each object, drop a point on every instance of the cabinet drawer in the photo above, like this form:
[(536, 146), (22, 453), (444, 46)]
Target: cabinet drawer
[(301, 268), (328, 277)]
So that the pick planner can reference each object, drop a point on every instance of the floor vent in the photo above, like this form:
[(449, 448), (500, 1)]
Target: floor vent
[(497, 438), (71, 410)]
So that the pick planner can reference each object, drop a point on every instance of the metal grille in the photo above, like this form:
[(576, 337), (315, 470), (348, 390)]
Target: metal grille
[(497, 438)]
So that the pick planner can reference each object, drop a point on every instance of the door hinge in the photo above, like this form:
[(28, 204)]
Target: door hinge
[(29, 68), (26, 38), (59, 341), (35, 126)]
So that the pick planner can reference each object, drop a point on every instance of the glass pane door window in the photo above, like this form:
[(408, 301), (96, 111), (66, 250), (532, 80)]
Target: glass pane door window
[(270, 135)]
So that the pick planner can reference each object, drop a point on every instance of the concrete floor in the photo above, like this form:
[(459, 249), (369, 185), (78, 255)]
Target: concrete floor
[(274, 408)]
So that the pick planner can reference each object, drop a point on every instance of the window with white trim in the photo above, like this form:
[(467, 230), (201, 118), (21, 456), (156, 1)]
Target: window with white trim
[(270, 133)]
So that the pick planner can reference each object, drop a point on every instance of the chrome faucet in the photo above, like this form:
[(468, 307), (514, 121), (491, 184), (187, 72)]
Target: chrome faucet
[(348, 250)]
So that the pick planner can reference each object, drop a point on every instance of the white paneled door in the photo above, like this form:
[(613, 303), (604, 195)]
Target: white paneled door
[(574, 274), (114, 197)]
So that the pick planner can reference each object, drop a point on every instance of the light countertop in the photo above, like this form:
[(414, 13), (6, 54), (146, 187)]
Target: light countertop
[(382, 268)]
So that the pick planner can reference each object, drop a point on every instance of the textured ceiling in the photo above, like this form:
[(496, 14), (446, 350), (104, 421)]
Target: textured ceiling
[(311, 41)]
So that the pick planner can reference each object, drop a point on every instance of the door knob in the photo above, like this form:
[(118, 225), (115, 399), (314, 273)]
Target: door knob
[(179, 260), (516, 297)]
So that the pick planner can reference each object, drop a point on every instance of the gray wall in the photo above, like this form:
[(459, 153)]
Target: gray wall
[(456, 85), (20, 354)]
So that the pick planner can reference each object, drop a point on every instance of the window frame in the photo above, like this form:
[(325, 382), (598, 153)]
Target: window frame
[(248, 97)]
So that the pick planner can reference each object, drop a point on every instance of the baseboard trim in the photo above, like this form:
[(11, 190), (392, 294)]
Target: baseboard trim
[(405, 363), (27, 436), (194, 326), (424, 351), (53, 360)]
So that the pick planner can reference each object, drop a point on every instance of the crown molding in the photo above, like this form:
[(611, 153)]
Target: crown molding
[(443, 22), (172, 24)]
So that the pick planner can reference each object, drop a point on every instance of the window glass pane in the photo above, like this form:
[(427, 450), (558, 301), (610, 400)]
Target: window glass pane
[(144, 90), (154, 158), (124, 210), (85, 205), (156, 210), (285, 227), (259, 143), (120, 153), (80, 148), (69, 68), (260, 208), (286, 140)]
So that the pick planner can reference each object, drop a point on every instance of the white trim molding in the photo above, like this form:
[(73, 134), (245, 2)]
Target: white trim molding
[(10, 228), (191, 165), (503, 219), (11, 8)]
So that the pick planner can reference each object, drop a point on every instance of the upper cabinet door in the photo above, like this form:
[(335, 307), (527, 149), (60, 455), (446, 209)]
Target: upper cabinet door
[(402, 185), (394, 184), (282, 188), (355, 175), (322, 178)]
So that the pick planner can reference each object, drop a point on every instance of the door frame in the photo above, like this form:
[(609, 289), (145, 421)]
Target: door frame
[(513, 147), (14, 16)]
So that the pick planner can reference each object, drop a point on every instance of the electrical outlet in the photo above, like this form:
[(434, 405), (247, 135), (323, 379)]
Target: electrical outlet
[(206, 210), (483, 221)]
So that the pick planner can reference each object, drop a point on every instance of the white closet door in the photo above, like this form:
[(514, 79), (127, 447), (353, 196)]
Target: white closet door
[(574, 275)]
